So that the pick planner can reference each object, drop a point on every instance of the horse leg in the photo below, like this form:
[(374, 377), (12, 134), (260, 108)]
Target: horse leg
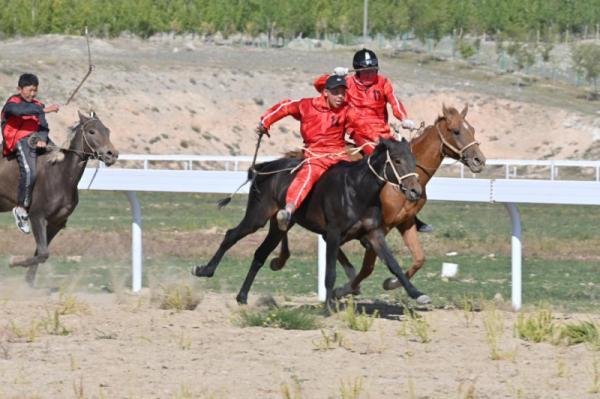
[(39, 228), (284, 254), (333, 241), (270, 242), (377, 240), (43, 239), (353, 284), (411, 239), (252, 221)]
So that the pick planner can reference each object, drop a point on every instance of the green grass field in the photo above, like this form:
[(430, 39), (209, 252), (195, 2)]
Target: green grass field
[(561, 246)]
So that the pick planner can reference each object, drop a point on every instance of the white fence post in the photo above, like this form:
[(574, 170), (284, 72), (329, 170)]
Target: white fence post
[(515, 218), (321, 256), (136, 242)]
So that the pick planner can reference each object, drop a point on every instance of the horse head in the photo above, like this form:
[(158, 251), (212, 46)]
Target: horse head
[(397, 165), (458, 138), (96, 139)]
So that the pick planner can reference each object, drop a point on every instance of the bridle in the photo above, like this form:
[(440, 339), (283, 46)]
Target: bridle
[(459, 152), (398, 186)]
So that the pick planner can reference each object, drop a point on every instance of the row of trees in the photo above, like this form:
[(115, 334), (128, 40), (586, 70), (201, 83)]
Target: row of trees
[(290, 18)]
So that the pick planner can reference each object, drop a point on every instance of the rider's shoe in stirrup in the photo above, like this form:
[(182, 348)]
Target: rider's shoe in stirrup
[(423, 227), (22, 219), (283, 219)]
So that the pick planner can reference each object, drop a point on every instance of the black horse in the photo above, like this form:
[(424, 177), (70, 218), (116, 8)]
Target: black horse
[(55, 193), (343, 205)]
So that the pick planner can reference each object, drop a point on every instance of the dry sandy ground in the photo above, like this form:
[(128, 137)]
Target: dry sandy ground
[(125, 347), (184, 96)]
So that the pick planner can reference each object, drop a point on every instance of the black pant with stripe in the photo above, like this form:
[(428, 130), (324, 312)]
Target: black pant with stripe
[(27, 159)]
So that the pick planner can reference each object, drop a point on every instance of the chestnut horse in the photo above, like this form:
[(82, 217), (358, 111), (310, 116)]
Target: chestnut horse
[(450, 136)]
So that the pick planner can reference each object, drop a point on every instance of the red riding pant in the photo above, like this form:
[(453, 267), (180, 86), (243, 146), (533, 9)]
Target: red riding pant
[(307, 176)]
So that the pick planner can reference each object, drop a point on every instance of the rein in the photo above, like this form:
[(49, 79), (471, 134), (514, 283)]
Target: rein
[(385, 179), (453, 148)]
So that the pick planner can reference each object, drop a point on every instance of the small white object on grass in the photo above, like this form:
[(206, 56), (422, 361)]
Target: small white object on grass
[(449, 270)]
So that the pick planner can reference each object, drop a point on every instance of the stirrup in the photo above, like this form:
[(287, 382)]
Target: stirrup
[(21, 220), (283, 219)]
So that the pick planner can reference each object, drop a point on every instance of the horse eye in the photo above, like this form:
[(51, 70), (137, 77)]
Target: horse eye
[(91, 131), (456, 131)]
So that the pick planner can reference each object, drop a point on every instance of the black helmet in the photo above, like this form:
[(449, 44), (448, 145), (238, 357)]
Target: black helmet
[(364, 59)]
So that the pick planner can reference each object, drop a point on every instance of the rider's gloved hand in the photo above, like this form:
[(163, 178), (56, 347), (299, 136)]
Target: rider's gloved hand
[(408, 124), (340, 71), (260, 130)]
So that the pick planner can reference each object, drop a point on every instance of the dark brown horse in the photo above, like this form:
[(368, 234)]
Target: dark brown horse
[(450, 136), (343, 205), (55, 193)]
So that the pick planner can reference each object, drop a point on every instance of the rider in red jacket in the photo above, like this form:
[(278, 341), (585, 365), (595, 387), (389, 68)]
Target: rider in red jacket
[(323, 122), (369, 93), (24, 133)]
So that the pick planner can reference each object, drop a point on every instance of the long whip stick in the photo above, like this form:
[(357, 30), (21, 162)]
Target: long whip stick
[(90, 67)]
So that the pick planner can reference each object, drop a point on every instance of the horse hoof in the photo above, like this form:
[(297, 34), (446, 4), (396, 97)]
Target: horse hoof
[(423, 300), (339, 292), (241, 299), (276, 264), (201, 271), (16, 261), (391, 283)]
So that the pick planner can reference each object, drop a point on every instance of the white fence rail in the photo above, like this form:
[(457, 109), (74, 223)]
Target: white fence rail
[(509, 192), (510, 167)]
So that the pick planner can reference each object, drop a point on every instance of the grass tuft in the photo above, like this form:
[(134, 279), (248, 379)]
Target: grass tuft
[(586, 332), (331, 340), (177, 297), (351, 389), (536, 328), (279, 317), (355, 320)]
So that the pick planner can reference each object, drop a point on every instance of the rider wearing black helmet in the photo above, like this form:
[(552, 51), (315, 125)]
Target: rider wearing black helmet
[(370, 92)]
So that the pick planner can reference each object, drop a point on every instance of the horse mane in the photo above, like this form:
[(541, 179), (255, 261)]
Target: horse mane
[(57, 154)]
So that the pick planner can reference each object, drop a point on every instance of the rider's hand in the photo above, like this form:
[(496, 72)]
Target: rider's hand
[(408, 124), (340, 71), (260, 130), (41, 144), (52, 108)]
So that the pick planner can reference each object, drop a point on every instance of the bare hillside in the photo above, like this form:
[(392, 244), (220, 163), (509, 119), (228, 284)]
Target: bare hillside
[(182, 96)]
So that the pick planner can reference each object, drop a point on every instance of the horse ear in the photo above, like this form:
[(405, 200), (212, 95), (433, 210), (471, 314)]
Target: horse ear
[(444, 110), (82, 117), (463, 113)]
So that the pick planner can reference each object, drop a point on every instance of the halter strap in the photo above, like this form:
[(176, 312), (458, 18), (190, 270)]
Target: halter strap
[(385, 178), (453, 148), (94, 154)]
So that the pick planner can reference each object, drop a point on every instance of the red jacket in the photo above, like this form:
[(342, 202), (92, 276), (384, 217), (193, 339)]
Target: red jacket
[(20, 118), (370, 101), (322, 127)]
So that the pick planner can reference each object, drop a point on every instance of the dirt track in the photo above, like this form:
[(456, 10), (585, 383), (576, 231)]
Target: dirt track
[(124, 347)]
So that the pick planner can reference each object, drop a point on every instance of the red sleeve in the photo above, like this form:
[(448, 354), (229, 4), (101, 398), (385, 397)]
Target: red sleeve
[(397, 106), (279, 111), (319, 82), (356, 124)]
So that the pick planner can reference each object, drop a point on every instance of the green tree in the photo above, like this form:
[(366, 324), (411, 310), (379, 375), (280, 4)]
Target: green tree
[(586, 60)]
